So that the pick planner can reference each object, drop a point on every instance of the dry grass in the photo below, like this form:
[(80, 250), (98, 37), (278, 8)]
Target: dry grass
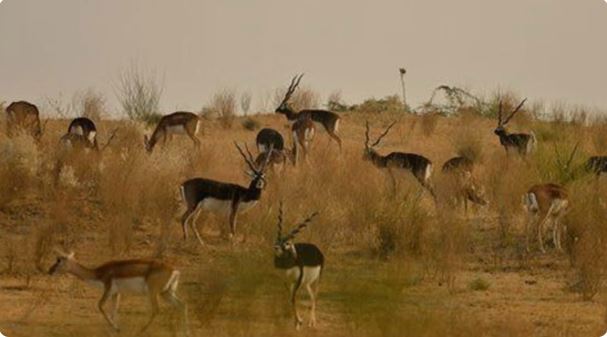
[(396, 264)]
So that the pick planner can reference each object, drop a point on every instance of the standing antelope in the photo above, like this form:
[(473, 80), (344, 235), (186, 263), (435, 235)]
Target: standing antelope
[(303, 264), (303, 133), (176, 123), (461, 170), (545, 204), (329, 120), (219, 197), (523, 143), (84, 127), (23, 115), (419, 166), (267, 138), (144, 277)]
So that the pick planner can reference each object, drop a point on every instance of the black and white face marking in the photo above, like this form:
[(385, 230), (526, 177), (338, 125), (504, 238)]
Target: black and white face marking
[(261, 183), (499, 130), (285, 248)]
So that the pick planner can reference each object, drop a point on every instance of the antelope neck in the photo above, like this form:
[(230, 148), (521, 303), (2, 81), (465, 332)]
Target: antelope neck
[(377, 159), (82, 272)]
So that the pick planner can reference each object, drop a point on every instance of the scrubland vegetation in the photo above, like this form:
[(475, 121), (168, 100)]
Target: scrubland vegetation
[(397, 263)]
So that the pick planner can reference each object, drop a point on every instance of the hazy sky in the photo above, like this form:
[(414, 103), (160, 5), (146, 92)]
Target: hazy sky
[(545, 49)]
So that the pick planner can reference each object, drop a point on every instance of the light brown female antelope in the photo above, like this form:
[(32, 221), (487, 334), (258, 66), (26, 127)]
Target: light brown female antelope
[(303, 131), (176, 123), (276, 159), (145, 277), (545, 204), (460, 169), (25, 116), (328, 119)]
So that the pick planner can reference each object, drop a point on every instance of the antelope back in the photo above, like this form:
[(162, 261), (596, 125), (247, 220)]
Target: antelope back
[(545, 194), (26, 115), (267, 138), (85, 127)]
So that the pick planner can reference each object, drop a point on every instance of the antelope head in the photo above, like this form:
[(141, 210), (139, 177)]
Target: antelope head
[(501, 123), (257, 174), (284, 107), (62, 263), (370, 148), (284, 247)]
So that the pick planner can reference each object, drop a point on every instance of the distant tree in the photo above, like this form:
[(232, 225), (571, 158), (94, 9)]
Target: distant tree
[(139, 95)]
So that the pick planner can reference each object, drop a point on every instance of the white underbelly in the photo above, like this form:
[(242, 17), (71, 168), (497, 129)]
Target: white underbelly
[(224, 206), (135, 285), (176, 129), (311, 274)]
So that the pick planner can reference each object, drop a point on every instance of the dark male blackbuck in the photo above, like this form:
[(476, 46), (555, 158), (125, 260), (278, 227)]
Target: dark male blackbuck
[(328, 119), (461, 170), (85, 127), (522, 143), (303, 264), (546, 204), (177, 123), (152, 278), (221, 198), (24, 116), (419, 166)]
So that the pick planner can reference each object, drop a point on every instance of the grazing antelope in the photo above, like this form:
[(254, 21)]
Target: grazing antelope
[(23, 115), (84, 127), (267, 138), (303, 133), (303, 264), (523, 143), (546, 204), (461, 170), (419, 166), (176, 123), (222, 198), (72, 148), (277, 160), (144, 277), (597, 164), (73, 142), (328, 119)]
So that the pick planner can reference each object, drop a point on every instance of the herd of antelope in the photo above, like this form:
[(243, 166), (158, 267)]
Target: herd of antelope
[(303, 263)]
